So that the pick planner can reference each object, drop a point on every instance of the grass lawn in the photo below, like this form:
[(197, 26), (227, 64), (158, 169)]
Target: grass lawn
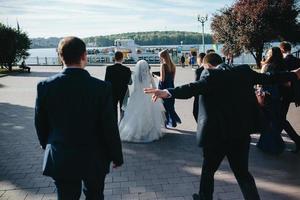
[(4, 71)]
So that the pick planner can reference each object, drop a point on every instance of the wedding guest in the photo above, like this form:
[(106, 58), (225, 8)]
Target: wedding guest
[(198, 72), (76, 126), (166, 80), (224, 128), (270, 140), (190, 58), (210, 51), (229, 59), (182, 60), (120, 77), (287, 92), (200, 59)]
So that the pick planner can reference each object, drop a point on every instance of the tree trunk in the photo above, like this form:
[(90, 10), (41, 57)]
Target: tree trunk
[(258, 58), (10, 67)]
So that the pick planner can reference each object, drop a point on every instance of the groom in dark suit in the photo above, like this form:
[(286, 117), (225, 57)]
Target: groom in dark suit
[(287, 93), (228, 114), (120, 77), (76, 126)]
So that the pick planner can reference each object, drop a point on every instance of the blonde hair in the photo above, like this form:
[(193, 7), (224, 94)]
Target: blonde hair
[(170, 66)]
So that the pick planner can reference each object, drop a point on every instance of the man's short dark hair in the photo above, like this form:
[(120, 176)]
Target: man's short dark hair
[(201, 55), (210, 51), (212, 58), (70, 49), (118, 56), (285, 46)]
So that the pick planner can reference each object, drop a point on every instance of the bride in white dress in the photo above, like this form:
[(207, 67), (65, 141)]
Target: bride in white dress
[(143, 119)]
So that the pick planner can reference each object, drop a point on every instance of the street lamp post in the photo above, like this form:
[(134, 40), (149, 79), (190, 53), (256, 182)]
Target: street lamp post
[(202, 20), (181, 42)]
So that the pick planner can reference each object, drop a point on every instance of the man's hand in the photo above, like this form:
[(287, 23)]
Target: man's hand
[(297, 71), (114, 166), (156, 93)]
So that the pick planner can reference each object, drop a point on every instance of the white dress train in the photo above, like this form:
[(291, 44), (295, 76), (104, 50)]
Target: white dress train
[(143, 119)]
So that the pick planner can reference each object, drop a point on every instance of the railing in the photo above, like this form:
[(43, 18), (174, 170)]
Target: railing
[(56, 60), (43, 61), (91, 60), (104, 60)]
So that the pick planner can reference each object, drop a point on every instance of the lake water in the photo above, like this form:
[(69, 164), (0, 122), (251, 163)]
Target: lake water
[(46, 52)]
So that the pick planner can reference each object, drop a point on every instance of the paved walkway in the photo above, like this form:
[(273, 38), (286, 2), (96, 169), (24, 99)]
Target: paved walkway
[(167, 169)]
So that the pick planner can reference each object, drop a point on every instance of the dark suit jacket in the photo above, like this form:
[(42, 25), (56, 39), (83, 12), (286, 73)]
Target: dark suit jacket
[(198, 73), (227, 108), (196, 98), (75, 124), (292, 62), (291, 94), (119, 76)]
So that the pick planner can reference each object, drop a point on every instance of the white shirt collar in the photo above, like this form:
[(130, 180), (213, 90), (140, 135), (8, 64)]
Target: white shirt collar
[(286, 54)]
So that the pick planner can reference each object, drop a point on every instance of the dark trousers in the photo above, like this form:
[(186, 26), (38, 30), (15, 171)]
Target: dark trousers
[(71, 189), (196, 108), (286, 124), (237, 154), (120, 102)]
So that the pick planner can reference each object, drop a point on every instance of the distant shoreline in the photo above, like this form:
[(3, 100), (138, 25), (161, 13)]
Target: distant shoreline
[(141, 38), (154, 45)]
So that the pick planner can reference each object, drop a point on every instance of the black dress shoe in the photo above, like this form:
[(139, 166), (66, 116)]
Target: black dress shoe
[(196, 197)]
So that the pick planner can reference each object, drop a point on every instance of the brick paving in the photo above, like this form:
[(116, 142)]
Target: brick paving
[(166, 169)]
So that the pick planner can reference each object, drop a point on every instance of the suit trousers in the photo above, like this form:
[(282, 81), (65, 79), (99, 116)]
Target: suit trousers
[(237, 153), (115, 104), (285, 104), (70, 189)]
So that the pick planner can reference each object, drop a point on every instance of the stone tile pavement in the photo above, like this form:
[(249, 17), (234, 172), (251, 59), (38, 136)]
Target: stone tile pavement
[(166, 169)]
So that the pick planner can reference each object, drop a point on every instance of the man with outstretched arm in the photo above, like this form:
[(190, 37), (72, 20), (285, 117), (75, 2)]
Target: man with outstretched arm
[(228, 114)]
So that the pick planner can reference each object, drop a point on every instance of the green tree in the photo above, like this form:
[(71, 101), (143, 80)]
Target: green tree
[(8, 46), (153, 38), (250, 25), (22, 44), (14, 46), (141, 38)]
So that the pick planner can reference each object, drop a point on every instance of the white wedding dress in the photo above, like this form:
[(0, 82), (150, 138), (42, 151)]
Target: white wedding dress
[(143, 119)]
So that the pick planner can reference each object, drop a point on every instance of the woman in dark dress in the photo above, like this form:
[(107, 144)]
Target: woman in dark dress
[(166, 80), (270, 140)]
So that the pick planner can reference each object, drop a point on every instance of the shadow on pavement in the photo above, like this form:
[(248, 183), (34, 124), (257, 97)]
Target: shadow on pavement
[(34, 74), (21, 156), (175, 162), (167, 168)]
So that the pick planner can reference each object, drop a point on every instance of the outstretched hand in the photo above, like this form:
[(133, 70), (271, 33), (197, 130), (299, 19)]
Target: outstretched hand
[(114, 166), (156, 93), (297, 71)]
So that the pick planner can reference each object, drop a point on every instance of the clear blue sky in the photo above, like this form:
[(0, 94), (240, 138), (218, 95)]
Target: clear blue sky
[(47, 18)]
